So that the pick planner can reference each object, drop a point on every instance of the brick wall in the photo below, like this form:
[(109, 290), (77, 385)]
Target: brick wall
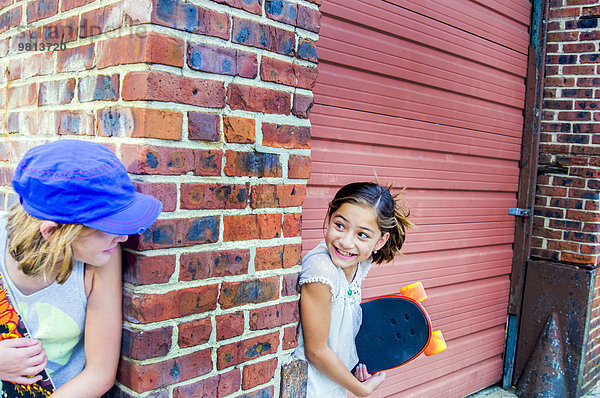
[(567, 211), (207, 104)]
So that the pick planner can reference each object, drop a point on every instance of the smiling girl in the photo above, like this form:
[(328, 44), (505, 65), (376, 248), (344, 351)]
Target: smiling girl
[(365, 224), (61, 260)]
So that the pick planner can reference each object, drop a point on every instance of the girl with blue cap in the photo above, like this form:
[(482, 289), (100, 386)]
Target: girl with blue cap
[(61, 260)]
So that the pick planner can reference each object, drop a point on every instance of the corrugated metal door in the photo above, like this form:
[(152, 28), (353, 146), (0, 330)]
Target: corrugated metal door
[(429, 95)]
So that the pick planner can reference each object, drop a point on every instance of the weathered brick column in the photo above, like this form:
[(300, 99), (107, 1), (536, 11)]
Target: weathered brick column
[(207, 104), (567, 214)]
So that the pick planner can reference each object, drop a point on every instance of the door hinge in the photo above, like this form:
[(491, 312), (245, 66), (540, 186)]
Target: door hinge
[(518, 211)]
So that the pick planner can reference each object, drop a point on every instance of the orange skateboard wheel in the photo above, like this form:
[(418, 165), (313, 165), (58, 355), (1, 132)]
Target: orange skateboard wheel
[(415, 291), (437, 344)]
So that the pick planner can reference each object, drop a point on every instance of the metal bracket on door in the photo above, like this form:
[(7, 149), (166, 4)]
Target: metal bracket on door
[(519, 211)]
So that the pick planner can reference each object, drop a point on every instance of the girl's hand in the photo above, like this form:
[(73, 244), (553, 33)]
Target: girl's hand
[(374, 381), (22, 358), (370, 381), (361, 372)]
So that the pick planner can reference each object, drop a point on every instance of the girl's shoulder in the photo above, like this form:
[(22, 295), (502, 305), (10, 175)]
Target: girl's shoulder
[(318, 267)]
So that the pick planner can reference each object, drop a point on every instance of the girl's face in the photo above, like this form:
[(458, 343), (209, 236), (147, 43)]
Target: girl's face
[(352, 235), (95, 248)]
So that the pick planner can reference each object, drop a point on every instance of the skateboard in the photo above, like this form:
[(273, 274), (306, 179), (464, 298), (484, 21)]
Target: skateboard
[(13, 327), (396, 329)]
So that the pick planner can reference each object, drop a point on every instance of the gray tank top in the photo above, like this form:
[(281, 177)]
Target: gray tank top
[(54, 315)]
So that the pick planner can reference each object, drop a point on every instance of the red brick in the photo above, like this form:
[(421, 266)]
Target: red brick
[(564, 12), (140, 123), (4, 47), (560, 246), (254, 291), (213, 196), (10, 19), (30, 36), (40, 9), (147, 308), (589, 58), (575, 116), (166, 192), (204, 126), (560, 81), (101, 20), (576, 93), (246, 350), (238, 129), (277, 195), (267, 392), (180, 232), (152, 48), (142, 270), (309, 18), (252, 164), (145, 344), (285, 136), (251, 226), (299, 166), (275, 257), (168, 87), (253, 6), (307, 50), (289, 74), (583, 215), (578, 258), (579, 47), (282, 11), (259, 373), (76, 58), (19, 96), (592, 35), (211, 264), (230, 325), (292, 224), (217, 386), (69, 4), (194, 333), (290, 285), (225, 61), (274, 316), (75, 122), (56, 92), (184, 16), (258, 99), (170, 161), (268, 37), (290, 338), (61, 31), (590, 105), (578, 69), (581, 236), (99, 88), (36, 65), (141, 378)]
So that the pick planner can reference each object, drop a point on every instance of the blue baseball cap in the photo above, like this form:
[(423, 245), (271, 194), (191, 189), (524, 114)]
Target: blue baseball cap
[(80, 182)]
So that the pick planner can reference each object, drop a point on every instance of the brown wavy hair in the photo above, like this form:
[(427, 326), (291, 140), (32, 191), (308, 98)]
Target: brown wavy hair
[(36, 255), (392, 215)]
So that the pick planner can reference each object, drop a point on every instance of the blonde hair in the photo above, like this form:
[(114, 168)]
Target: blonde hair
[(36, 255)]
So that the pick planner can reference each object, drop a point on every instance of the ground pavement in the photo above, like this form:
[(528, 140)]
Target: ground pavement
[(498, 392)]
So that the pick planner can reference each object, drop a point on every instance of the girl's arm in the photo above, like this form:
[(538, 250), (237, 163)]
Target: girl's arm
[(102, 339), (315, 315)]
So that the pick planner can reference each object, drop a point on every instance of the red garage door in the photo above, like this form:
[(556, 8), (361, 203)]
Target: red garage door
[(429, 96)]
